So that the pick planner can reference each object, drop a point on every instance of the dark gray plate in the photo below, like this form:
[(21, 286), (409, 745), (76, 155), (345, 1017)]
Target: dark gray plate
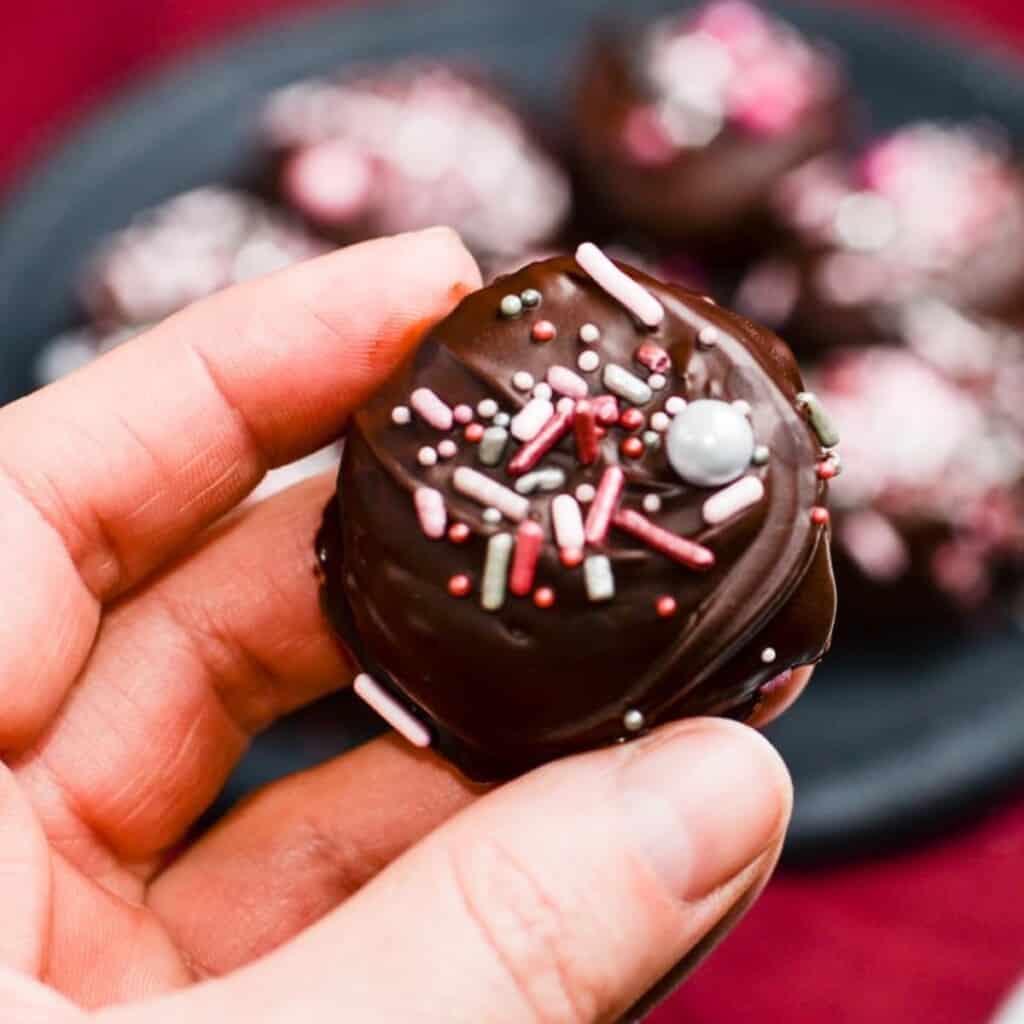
[(889, 743)]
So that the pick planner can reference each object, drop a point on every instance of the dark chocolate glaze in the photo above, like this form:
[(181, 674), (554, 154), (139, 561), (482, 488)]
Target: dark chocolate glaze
[(504, 691)]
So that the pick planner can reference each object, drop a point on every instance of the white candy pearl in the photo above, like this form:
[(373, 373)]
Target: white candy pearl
[(710, 443)]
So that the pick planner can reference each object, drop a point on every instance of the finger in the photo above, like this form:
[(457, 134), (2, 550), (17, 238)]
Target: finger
[(563, 896), (106, 473), (778, 696), (212, 651), (299, 848)]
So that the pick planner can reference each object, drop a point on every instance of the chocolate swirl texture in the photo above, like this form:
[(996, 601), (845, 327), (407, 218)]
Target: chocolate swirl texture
[(567, 665)]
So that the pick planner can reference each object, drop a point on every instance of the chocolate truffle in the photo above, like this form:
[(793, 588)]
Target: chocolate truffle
[(185, 249), (934, 211), (406, 146), (929, 510), (685, 128), (589, 504)]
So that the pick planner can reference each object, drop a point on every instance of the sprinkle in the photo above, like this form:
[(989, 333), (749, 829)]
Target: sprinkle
[(544, 597), (588, 361), (632, 419), (533, 451), (652, 503), (565, 403), (463, 414), (502, 419), (565, 382), (458, 533), (522, 381), (632, 448), (430, 509), (654, 357), (531, 298), (762, 453), (657, 381), (460, 585), (491, 516), (626, 385), (606, 501), (660, 422), (567, 521), (492, 587), (543, 331), (571, 557), (585, 428), (651, 438), (598, 578), (529, 420), (742, 406), (401, 416), (821, 422), (543, 390), (679, 549), (473, 433), (666, 606), (826, 470), (370, 691), (675, 405), (492, 445), (637, 299), (431, 408), (511, 306), (426, 457), (633, 720), (529, 540), (607, 409), (550, 478), (819, 515), (768, 655), (585, 493), (707, 336), (732, 500), (487, 409), (485, 491), (447, 449), (590, 334)]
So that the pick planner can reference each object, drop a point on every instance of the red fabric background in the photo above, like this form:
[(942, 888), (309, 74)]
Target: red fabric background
[(935, 935)]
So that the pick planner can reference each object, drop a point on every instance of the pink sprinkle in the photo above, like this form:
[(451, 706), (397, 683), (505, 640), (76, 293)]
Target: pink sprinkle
[(733, 500), (447, 449), (533, 451), (431, 511), (432, 409), (391, 711), (679, 549), (565, 382), (654, 357), (585, 427), (463, 414), (605, 503), (606, 408), (605, 274), (568, 521), (675, 405), (529, 539), (645, 140)]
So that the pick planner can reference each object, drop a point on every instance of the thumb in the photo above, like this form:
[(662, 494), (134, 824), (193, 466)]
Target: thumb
[(561, 897)]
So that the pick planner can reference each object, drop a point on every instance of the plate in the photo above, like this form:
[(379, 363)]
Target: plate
[(888, 744)]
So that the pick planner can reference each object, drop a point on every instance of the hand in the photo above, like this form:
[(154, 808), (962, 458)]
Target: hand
[(147, 631)]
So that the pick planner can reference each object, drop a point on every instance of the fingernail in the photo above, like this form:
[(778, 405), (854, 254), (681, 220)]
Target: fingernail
[(702, 802)]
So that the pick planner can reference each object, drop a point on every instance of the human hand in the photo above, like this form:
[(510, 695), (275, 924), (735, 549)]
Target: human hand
[(147, 631)]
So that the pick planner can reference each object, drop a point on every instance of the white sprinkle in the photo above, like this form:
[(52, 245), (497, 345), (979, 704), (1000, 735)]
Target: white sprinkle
[(426, 457), (652, 503), (637, 299), (487, 408), (651, 438), (550, 478), (502, 419), (447, 449), (565, 405), (431, 511), (543, 390), (598, 578), (522, 381), (432, 409), (590, 334), (742, 406), (568, 522), (565, 382), (762, 453), (660, 422), (768, 655), (487, 492), (633, 720), (585, 493), (495, 577), (626, 385), (708, 336), (463, 414), (370, 691), (529, 420), (492, 445), (675, 405), (491, 516), (588, 361), (401, 416), (657, 381), (732, 500)]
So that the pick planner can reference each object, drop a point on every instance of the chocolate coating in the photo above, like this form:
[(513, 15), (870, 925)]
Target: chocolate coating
[(505, 690), (685, 128)]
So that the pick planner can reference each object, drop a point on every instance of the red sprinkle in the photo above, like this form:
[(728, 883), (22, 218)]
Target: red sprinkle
[(632, 419), (571, 557), (458, 533), (666, 606), (679, 549), (550, 434), (632, 448), (459, 586), (819, 515), (474, 432), (605, 502), (826, 470), (544, 330), (654, 357), (607, 409), (529, 540), (585, 426), (544, 597)]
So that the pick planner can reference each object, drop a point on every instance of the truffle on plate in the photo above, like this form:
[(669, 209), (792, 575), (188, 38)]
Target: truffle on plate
[(685, 128), (589, 504)]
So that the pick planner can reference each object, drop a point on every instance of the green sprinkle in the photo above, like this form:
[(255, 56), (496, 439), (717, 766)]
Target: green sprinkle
[(530, 298), (511, 306), (492, 588), (821, 423)]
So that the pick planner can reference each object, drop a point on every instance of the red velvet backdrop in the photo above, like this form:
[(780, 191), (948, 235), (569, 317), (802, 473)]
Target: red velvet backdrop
[(934, 935)]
